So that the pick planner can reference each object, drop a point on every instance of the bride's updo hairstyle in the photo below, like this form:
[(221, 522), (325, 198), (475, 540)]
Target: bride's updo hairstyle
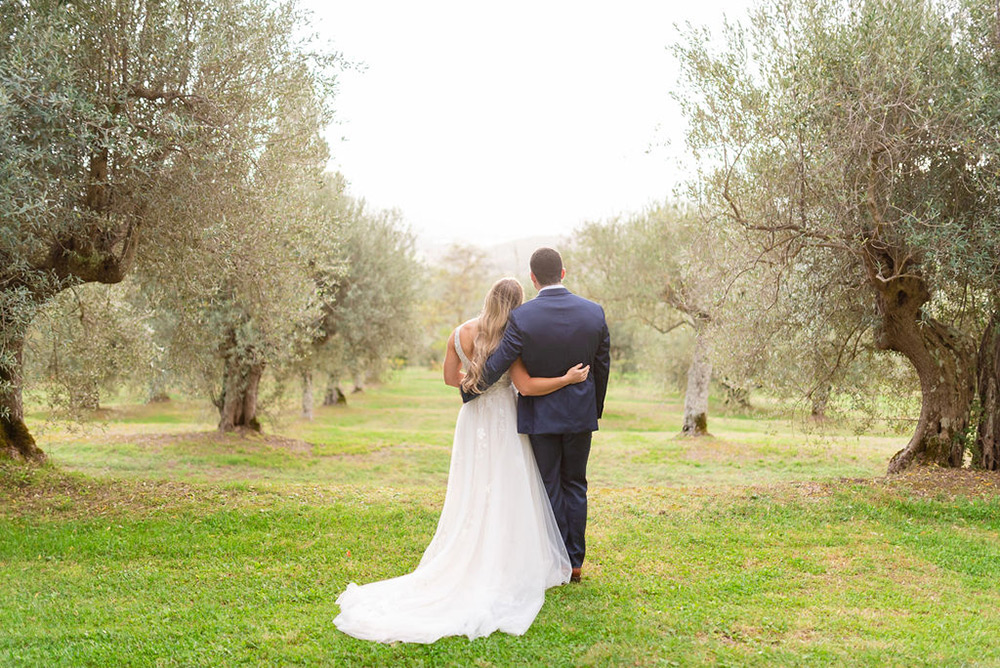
[(505, 296)]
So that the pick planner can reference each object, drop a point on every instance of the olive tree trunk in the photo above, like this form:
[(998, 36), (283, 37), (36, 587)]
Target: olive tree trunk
[(944, 359), (359, 382), (819, 400), (238, 404), (15, 440), (334, 395), (819, 395), (736, 396), (696, 397), (307, 394), (988, 436)]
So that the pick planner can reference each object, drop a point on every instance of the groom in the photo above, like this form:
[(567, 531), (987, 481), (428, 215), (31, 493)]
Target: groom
[(551, 333)]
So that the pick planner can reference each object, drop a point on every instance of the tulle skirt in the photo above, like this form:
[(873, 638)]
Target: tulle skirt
[(496, 549)]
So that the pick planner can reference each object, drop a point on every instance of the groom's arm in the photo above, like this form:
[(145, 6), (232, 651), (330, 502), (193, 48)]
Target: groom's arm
[(501, 359), (601, 368)]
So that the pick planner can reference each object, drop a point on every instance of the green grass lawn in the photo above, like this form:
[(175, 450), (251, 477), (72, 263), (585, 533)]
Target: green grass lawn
[(152, 540)]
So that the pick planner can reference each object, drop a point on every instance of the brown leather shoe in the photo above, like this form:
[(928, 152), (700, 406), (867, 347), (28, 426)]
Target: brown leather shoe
[(576, 574)]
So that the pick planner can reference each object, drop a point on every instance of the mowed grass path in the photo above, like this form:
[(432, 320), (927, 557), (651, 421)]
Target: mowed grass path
[(154, 541)]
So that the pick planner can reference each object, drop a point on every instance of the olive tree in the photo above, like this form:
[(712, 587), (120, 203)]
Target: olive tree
[(246, 298), (858, 136), (368, 294), (120, 119), (661, 268)]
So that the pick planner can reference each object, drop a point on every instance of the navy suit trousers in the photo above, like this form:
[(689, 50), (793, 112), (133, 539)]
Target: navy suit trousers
[(562, 461)]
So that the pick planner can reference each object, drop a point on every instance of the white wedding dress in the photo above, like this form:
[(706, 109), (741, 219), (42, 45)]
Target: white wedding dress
[(496, 549)]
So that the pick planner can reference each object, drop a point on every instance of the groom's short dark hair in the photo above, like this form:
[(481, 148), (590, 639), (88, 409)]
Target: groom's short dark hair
[(546, 265)]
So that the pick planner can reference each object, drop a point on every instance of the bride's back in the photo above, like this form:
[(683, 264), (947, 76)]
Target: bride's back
[(467, 336)]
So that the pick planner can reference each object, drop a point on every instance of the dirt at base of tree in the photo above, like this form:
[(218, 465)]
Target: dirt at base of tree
[(934, 482), (927, 482)]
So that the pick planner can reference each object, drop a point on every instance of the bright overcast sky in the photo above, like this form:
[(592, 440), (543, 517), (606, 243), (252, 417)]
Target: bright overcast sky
[(487, 122)]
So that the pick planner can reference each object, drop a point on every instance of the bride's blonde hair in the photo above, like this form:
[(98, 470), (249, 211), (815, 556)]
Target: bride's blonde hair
[(505, 296)]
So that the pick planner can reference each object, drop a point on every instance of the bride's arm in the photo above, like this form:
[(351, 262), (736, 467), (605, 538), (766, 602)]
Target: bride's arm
[(452, 365), (530, 386)]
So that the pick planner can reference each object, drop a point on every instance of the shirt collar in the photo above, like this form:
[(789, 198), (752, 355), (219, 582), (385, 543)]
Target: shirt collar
[(551, 287)]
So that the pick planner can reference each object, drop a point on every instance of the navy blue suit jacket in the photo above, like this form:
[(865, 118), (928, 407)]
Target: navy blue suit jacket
[(551, 333)]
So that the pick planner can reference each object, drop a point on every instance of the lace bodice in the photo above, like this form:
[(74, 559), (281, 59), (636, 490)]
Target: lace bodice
[(504, 381)]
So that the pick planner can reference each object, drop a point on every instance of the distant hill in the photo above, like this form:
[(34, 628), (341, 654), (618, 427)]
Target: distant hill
[(509, 258)]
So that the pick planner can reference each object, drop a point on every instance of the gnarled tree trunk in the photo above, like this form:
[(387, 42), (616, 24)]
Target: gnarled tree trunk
[(820, 399), (736, 396), (15, 440), (696, 397), (334, 395), (238, 403), (944, 359), (988, 436)]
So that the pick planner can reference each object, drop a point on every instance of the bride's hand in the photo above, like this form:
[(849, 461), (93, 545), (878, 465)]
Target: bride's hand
[(577, 374)]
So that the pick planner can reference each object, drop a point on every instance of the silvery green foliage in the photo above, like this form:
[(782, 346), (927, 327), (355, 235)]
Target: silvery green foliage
[(849, 145), (130, 122), (368, 289), (660, 268), (803, 332), (90, 341), (109, 107), (826, 132), (657, 266), (243, 292)]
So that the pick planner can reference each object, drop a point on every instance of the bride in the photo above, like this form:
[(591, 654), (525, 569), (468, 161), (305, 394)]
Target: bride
[(497, 547)]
